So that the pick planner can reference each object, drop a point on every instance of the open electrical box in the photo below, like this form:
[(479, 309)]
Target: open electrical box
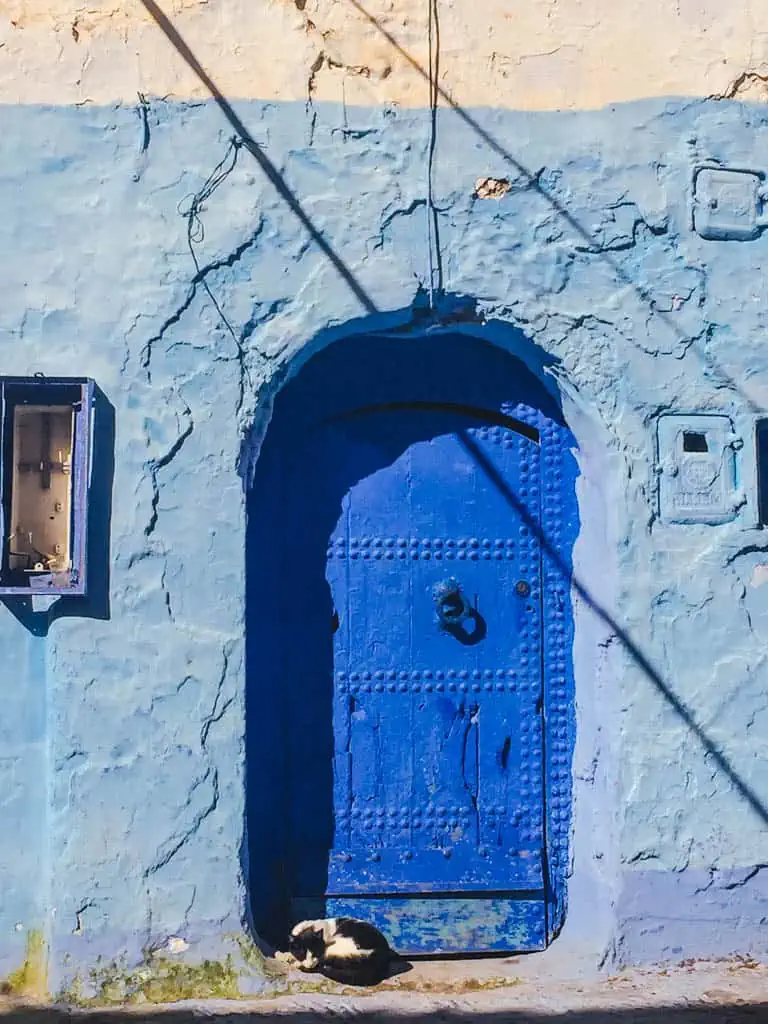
[(46, 436)]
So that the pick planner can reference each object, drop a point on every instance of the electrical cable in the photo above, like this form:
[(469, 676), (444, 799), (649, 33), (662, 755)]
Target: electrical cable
[(433, 237)]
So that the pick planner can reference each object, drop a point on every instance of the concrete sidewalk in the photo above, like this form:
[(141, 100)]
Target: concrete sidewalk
[(522, 988), (512, 990)]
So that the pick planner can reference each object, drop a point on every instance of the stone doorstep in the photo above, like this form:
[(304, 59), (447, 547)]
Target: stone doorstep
[(477, 987), (540, 986)]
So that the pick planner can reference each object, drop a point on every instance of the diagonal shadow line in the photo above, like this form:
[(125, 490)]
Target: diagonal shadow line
[(339, 264), (266, 165), (495, 477), (533, 182), (276, 179)]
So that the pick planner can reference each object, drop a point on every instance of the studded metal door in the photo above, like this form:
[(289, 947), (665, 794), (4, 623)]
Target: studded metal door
[(434, 569), (410, 715)]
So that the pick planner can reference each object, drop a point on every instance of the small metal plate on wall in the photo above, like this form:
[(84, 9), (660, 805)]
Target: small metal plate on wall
[(697, 468), (727, 204)]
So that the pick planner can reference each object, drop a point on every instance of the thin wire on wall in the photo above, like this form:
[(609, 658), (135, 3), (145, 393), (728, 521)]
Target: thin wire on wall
[(191, 208), (433, 235)]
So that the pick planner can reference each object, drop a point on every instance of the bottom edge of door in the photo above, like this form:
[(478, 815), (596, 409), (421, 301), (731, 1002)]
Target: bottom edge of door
[(440, 925)]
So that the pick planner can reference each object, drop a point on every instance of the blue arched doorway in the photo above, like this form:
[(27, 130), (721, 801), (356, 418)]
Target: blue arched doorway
[(409, 633)]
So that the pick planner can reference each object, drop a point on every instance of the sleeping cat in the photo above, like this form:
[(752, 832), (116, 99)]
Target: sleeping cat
[(343, 949)]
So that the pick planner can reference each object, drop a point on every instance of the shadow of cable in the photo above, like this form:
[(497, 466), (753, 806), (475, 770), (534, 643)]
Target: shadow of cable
[(266, 165), (744, 789), (346, 274), (532, 181)]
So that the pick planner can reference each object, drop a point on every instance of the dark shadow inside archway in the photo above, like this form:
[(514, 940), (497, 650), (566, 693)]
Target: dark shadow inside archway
[(352, 410)]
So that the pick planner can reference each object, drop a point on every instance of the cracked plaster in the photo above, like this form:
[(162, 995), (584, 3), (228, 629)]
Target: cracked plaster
[(122, 740)]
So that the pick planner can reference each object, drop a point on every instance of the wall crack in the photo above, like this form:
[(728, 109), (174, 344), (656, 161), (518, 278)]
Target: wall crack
[(210, 776)]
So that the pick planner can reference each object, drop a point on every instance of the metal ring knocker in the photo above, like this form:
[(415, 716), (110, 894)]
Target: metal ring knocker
[(451, 605)]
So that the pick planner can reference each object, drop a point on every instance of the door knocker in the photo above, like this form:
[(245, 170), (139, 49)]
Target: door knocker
[(451, 605), (455, 615)]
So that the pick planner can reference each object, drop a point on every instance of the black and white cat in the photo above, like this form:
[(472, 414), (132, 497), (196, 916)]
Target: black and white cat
[(343, 949)]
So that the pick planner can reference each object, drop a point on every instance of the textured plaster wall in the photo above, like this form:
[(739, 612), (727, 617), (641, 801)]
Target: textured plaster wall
[(121, 754), (544, 55), (122, 739)]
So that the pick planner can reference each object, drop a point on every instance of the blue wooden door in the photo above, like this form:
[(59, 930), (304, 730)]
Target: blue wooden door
[(416, 785)]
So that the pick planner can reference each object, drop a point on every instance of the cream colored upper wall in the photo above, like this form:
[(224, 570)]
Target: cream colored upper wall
[(537, 55)]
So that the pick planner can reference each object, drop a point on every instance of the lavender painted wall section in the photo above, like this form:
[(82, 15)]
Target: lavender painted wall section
[(122, 739)]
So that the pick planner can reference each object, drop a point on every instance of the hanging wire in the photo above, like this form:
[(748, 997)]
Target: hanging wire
[(191, 207), (433, 240)]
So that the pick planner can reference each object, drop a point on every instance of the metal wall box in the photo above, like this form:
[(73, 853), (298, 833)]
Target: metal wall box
[(727, 204), (697, 468), (761, 453), (46, 434)]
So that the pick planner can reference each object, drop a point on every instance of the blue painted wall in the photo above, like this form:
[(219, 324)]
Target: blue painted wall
[(123, 737)]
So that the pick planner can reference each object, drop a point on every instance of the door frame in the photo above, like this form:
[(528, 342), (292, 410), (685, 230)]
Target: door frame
[(560, 527)]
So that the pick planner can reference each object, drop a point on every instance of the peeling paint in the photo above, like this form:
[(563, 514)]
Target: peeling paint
[(491, 188)]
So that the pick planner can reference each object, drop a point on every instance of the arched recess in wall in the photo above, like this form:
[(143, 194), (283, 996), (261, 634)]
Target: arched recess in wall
[(410, 706)]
